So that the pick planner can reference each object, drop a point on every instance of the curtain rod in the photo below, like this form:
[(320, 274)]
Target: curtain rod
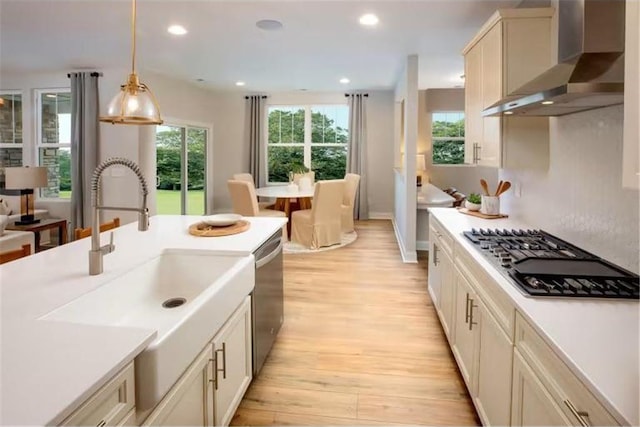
[(94, 74), (261, 96), (366, 95)]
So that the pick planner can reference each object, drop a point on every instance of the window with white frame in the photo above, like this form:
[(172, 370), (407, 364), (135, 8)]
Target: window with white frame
[(311, 136), (447, 137), (10, 131), (54, 140)]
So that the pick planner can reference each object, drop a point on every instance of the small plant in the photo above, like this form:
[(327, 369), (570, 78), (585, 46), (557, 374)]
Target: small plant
[(474, 198)]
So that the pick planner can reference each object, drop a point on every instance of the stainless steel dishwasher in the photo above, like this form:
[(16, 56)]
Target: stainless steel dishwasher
[(268, 299)]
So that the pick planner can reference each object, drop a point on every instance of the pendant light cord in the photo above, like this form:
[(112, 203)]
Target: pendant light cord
[(133, 37)]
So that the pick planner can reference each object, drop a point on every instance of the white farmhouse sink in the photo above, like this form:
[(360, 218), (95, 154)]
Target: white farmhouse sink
[(209, 286)]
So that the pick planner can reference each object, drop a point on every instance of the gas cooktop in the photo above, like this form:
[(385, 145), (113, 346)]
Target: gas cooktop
[(543, 265)]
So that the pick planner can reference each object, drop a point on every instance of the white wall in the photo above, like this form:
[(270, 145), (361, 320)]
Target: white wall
[(580, 198), (405, 177)]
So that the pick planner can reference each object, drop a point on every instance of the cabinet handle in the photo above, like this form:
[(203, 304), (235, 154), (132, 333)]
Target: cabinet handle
[(102, 423), (581, 416), (479, 147), (435, 255), (224, 363), (471, 307), (466, 310)]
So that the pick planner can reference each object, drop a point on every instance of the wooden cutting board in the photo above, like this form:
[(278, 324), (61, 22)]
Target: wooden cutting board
[(201, 229), (480, 214)]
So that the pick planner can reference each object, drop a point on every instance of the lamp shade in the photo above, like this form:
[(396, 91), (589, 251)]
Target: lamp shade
[(421, 162), (22, 178)]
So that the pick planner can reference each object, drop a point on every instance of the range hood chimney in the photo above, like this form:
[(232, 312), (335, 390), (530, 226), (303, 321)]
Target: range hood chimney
[(590, 70)]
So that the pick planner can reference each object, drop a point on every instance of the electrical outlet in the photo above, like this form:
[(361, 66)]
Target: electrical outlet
[(517, 190)]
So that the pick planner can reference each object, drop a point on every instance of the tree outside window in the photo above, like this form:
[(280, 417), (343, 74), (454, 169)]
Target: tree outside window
[(447, 136), (307, 136)]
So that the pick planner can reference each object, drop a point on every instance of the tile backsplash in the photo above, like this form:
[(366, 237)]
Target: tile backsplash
[(580, 198)]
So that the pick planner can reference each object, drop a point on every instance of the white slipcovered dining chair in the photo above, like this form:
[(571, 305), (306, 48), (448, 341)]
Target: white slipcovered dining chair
[(245, 202), (351, 182), (321, 225), (249, 178)]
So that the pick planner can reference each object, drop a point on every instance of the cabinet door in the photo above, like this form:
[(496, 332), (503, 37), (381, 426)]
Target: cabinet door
[(465, 332), (447, 289), (531, 404), (631, 164), (232, 363), (473, 102), (190, 401), (435, 268), (494, 369), (492, 62)]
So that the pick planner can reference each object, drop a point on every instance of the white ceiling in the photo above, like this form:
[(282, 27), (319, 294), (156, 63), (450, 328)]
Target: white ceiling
[(321, 41)]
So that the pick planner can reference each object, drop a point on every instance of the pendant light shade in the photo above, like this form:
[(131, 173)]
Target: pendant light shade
[(135, 103)]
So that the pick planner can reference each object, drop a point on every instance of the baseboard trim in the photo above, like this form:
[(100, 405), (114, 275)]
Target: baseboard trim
[(422, 245), (381, 215), (408, 257)]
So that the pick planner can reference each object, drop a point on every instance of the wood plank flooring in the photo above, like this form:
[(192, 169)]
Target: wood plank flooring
[(361, 344)]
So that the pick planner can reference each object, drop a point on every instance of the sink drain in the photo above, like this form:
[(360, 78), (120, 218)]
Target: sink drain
[(173, 302)]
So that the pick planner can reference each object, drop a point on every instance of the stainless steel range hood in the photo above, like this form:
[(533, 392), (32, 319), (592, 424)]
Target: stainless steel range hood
[(590, 70)]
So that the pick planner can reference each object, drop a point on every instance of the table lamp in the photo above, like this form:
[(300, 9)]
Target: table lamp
[(421, 165), (26, 179)]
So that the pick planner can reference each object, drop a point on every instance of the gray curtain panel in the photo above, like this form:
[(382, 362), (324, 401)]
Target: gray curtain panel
[(255, 133), (85, 139), (357, 153)]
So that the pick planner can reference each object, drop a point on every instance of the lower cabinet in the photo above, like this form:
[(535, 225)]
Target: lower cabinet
[(532, 405), (484, 354), (190, 401), (209, 392)]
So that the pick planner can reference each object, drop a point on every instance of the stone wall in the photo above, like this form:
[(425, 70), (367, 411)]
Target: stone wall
[(11, 132)]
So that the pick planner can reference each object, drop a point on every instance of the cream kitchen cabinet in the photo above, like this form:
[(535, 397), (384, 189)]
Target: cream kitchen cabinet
[(630, 158), (513, 47), (209, 392), (111, 405), (190, 400), (466, 343), (441, 278)]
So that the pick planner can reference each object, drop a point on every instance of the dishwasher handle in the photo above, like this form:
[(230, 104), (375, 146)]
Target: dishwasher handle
[(261, 260)]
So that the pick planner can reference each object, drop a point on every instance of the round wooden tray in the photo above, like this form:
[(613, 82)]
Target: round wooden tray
[(201, 229)]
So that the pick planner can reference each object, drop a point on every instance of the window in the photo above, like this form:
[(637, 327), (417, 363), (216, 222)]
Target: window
[(447, 136), (54, 141), (314, 136), (10, 132)]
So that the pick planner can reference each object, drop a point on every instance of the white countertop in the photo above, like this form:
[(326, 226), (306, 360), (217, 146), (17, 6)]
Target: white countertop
[(49, 368), (598, 339), (429, 196)]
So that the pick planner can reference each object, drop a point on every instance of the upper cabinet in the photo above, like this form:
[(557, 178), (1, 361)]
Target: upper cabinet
[(511, 48), (631, 166)]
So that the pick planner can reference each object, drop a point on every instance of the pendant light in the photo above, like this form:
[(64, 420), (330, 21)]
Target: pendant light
[(134, 104)]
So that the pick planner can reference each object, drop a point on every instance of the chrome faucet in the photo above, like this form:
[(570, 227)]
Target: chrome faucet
[(97, 252)]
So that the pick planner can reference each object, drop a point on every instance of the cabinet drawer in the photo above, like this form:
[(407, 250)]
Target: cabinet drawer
[(496, 300), (110, 405), (437, 233), (569, 393)]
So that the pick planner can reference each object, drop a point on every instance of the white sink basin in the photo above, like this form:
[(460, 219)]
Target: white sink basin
[(209, 286)]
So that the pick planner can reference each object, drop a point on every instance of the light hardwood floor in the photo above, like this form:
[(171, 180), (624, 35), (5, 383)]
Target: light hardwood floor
[(361, 344)]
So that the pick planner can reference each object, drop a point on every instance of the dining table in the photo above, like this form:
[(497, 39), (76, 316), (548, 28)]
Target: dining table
[(284, 194)]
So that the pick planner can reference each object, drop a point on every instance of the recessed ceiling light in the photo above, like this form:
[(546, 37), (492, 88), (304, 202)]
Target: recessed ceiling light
[(344, 80), (269, 25), (240, 83), (508, 113), (177, 30), (547, 102), (369, 20)]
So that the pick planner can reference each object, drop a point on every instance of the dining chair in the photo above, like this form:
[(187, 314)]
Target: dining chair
[(245, 201), (249, 178), (81, 233), (15, 254), (351, 182), (321, 225)]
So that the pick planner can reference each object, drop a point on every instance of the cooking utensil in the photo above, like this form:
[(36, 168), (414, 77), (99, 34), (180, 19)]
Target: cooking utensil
[(505, 186), (498, 189), (485, 187)]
